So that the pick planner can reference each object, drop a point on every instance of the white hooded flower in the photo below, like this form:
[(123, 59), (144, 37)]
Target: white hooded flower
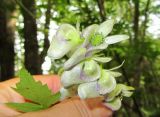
[(96, 36), (107, 83), (66, 40), (86, 71), (88, 90), (95, 40), (114, 98), (114, 104), (120, 90)]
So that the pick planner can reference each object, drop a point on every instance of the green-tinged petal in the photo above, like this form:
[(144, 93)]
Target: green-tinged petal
[(88, 90), (98, 48), (72, 76), (58, 48), (114, 104), (66, 39), (114, 74), (102, 59), (86, 71), (120, 89), (114, 93), (127, 93), (77, 57), (69, 33), (115, 39), (126, 88), (106, 82), (91, 70), (88, 32), (106, 27)]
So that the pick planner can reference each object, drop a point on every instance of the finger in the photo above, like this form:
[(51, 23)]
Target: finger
[(97, 107), (71, 108), (101, 112), (4, 110), (53, 81), (95, 102), (92, 103), (9, 83), (83, 109)]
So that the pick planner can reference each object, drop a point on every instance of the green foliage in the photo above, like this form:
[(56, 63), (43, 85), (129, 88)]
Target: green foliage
[(25, 107), (40, 95)]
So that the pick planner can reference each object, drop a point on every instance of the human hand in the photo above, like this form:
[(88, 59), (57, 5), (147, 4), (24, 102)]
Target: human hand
[(7, 94), (71, 107)]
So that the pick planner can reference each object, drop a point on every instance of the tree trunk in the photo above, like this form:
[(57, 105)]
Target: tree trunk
[(101, 9), (6, 40), (46, 31), (32, 58), (136, 20), (145, 19)]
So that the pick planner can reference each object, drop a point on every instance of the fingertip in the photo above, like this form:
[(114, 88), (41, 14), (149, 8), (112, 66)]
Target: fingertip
[(52, 81), (56, 85)]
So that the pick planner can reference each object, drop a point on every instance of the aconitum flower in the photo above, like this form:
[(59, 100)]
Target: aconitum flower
[(82, 73), (105, 84), (86, 71), (114, 98), (88, 90), (66, 40), (95, 39)]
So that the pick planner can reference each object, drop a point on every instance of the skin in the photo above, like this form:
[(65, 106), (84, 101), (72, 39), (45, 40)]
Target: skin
[(74, 107)]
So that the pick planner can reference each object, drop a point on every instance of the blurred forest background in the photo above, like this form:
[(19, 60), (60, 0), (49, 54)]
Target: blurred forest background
[(27, 27)]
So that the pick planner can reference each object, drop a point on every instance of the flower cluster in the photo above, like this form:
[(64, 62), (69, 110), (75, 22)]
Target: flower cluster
[(82, 72)]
